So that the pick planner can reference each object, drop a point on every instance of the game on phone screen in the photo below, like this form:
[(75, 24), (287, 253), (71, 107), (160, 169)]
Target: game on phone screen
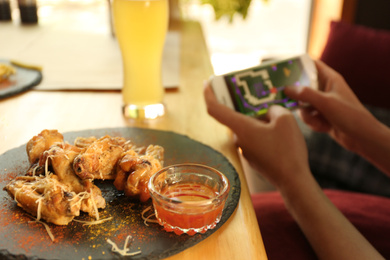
[(254, 90)]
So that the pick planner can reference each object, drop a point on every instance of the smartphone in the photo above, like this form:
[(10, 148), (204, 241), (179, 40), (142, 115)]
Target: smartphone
[(252, 91)]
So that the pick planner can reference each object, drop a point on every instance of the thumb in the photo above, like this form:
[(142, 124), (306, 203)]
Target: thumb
[(306, 95), (276, 111), (236, 121)]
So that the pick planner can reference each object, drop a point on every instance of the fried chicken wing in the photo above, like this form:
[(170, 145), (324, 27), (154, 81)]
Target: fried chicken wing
[(42, 142), (99, 159), (45, 197), (134, 171), (125, 166), (61, 158)]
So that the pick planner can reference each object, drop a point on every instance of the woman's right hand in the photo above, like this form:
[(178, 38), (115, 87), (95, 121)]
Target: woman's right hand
[(335, 109)]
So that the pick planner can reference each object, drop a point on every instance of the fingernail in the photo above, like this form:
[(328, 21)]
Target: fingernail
[(293, 88)]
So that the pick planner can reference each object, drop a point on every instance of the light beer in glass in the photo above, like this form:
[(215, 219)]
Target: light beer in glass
[(141, 27)]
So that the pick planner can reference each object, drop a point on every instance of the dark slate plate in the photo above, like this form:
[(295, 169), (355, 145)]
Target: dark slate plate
[(22, 80), (23, 240)]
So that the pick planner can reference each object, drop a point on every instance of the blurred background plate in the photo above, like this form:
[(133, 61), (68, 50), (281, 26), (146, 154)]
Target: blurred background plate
[(22, 80), (75, 241)]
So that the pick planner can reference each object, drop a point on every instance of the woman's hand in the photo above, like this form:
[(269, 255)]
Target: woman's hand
[(333, 109), (336, 110), (274, 146)]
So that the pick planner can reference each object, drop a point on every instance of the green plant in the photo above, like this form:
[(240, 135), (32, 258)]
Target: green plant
[(228, 8)]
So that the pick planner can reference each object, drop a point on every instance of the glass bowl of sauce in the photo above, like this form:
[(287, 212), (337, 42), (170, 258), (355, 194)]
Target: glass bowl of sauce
[(188, 198)]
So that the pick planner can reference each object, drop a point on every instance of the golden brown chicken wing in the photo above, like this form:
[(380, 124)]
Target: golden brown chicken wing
[(42, 142), (45, 197), (61, 158), (134, 171), (99, 159)]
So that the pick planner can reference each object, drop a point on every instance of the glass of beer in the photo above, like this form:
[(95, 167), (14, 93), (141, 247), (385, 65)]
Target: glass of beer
[(140, 28)]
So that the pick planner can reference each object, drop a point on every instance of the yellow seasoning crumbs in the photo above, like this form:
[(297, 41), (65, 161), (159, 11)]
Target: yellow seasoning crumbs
[(6, 71)]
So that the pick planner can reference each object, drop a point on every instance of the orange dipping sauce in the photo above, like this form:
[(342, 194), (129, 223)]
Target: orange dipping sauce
[(187, 216), (191, 204)]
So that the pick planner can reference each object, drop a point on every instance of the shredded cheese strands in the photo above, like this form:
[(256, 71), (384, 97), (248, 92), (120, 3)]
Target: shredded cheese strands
[(34, 170), (96, 222), (81, 195), (94, 206), (39, 209), (16, 194), (47, 165), (45, 225), (125, 250), (147, 219), (47, 229)]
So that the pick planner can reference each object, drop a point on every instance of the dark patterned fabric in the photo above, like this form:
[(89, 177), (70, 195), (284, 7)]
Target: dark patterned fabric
[(283, 238), (336, 168)]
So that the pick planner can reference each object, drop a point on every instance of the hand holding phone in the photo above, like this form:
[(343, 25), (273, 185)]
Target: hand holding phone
[(252, 91)]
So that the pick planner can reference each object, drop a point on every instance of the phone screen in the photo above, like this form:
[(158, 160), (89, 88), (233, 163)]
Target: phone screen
[(253, 91)]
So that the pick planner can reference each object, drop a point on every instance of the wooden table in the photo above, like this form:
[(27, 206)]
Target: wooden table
[(26, 114)]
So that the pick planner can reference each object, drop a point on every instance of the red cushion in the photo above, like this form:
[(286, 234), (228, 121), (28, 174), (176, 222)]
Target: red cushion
[(362, 55), (284, 240)]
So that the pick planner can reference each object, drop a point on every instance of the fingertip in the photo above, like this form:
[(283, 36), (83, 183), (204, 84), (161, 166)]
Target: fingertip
[(294, 91), (292, 88), (305, 95), (276, 111)]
